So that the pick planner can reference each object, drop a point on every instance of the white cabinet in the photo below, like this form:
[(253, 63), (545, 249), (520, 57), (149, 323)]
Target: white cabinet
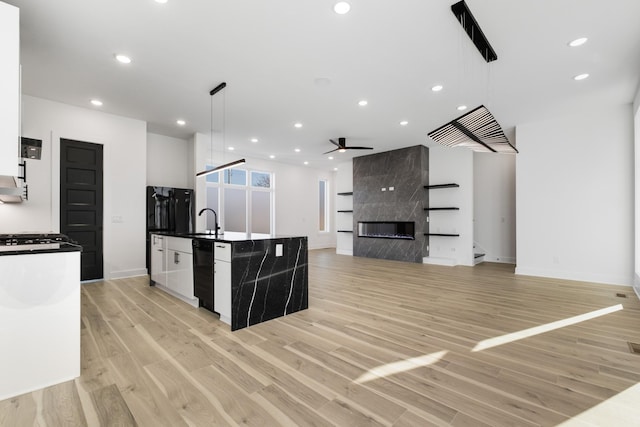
[(179, 261), (180, 272), (9, 88), (158, 260), (222, 281)]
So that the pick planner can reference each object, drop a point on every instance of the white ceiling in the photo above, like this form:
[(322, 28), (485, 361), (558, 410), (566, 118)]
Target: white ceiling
[(271, 54)]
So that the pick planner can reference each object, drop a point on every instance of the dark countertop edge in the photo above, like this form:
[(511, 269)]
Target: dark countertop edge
[(69, 248), (223, 239)]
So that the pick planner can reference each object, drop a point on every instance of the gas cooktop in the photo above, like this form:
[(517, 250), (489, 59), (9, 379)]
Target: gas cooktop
[(33, 239)]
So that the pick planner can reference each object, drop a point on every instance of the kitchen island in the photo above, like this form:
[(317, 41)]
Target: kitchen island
[(249, 279)]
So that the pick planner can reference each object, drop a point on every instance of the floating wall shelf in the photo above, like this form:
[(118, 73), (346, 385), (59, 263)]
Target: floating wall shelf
[(434, 187), (349, 193), (442, 234), (345, 231), (442, 209), (345, 211)]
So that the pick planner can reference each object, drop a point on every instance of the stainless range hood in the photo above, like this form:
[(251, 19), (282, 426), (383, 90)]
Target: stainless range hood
[(10, 191)]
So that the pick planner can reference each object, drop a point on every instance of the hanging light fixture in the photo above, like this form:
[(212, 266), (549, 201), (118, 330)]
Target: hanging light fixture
[(477, 130), (226, 165)]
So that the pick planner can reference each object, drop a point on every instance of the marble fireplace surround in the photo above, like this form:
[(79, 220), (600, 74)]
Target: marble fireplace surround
[(389, 187)]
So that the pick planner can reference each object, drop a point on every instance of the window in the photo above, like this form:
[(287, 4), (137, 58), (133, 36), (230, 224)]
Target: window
[(245, 198), (323, 205)]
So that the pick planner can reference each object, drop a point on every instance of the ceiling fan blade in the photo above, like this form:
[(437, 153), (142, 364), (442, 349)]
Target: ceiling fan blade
[(335, 143), (358, 148), (339, 148)]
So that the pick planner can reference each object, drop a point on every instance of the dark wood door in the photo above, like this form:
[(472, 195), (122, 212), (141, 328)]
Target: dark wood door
[(81, 202)]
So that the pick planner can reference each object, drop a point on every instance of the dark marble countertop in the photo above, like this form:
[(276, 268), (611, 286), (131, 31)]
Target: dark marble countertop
[(227, 238), (39, 248)]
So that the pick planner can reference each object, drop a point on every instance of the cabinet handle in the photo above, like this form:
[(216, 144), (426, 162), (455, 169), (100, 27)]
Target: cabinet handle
[(159, 250), (176, 258), (221, 246)]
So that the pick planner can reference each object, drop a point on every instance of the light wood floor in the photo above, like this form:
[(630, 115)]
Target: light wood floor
[(383, 343)]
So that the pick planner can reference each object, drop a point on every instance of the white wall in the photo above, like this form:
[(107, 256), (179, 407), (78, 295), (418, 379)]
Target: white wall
[(494, 206), (344, 221), (167, 161), (125, 161), (451, 165), (574, 197), (296, 204), (636, 110)]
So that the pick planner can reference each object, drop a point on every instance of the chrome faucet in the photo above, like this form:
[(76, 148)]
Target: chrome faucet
[(215, 220)]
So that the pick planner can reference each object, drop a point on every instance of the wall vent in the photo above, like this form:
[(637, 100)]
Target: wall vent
[(621, 295), (634, 347)]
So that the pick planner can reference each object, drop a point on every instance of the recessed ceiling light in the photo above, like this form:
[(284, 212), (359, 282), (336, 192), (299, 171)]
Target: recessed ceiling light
[(96, 102), (181, 122), (306, 163), (297, 125), (161, 1), (404, 123), (230, 148), (362, 103), (124, 59), (581, 76), (335, 169), (342, 7), (272, 156), (330, 157), (578, 42), (254, 140), (437, 88), (297, 150), (462, 107)]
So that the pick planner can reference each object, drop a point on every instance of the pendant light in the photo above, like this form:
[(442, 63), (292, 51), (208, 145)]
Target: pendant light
[(478, 129), (226, 165)]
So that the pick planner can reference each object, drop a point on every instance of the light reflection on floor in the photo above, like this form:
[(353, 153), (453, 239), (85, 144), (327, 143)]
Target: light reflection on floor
[(620, 410)]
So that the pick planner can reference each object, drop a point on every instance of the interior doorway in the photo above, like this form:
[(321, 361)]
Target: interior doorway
[(81, 204)]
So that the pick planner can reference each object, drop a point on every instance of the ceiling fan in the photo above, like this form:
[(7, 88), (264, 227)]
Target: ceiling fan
[(342, 146)]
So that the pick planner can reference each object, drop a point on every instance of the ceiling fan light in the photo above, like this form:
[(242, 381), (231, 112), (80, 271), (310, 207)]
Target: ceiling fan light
[(342, 150)]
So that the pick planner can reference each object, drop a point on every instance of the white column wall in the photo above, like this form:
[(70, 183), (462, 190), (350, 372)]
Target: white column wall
[(494, 206), (344, 221), (451, 165), (167, 161), (574, 198), (636, 110)]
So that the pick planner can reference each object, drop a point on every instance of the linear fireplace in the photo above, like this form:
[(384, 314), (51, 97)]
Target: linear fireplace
[(387, 230)]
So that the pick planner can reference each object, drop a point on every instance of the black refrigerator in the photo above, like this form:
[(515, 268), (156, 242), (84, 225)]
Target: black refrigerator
[(169, 210)]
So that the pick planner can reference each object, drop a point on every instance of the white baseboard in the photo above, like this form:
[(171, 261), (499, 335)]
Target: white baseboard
[(122, 274), (439, 261), (344, 252), (570, 275), (636, 284), (501, 259)]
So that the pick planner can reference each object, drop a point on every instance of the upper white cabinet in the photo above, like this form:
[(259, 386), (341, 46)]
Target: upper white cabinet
[(9, 88)]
